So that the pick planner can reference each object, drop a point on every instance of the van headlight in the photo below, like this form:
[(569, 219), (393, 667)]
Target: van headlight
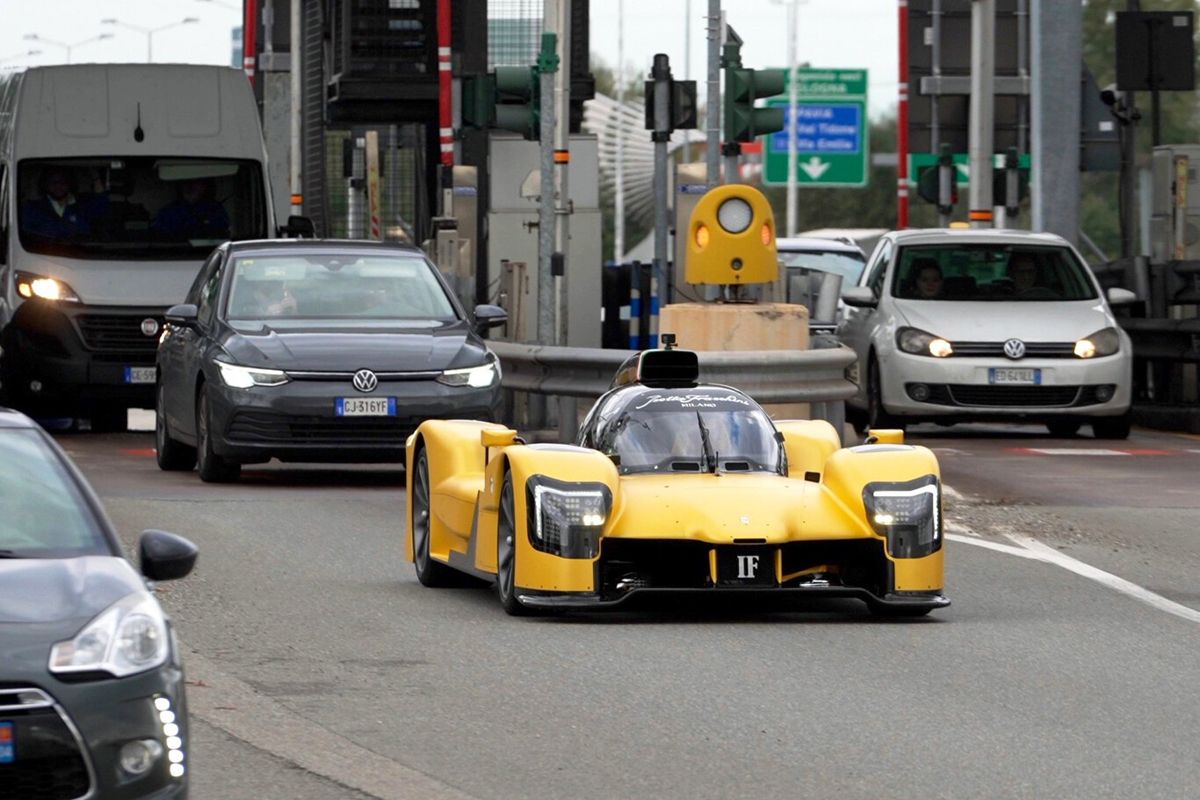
[(908, 513), (566, 519), (30, 285), (475, 377), (130, 636), (921, 343), (1103, 342), (240, 377)]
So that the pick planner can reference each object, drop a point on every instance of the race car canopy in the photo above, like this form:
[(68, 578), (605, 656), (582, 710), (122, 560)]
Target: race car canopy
[(660, 368)]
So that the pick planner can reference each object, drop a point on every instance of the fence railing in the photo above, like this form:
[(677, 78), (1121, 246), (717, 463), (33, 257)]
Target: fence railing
[(560, 376)]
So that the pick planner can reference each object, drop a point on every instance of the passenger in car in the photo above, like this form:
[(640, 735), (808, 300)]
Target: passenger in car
[(928, 279), (1023, 271)]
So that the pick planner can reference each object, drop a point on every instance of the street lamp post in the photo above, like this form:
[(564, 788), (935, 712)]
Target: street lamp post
[(15, 56), (33, 37), (149, 32)]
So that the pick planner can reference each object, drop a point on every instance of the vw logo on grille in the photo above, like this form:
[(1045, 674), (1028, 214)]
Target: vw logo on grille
[(150, 326), (365, 380), (1014, 349)]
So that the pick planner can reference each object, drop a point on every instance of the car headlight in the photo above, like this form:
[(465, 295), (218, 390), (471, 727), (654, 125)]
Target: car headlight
[(240, 377), (128, 637), (476, 377), (30, 285), (920, 343), (1103, 342), (908, 513), (567, 518)]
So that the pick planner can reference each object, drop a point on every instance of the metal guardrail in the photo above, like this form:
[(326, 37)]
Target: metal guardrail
[(816, 376)]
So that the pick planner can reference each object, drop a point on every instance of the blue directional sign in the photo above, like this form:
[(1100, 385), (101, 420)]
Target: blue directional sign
[(830, 119)]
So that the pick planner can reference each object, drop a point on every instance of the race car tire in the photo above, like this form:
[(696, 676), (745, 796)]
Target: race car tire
[(1063, 428), (877, 415), (172, 455), (212, 467), (429, 572), (1112, 427), (506, 552)]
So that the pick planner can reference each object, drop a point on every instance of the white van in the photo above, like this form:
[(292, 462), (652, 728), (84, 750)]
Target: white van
[(116, 182)]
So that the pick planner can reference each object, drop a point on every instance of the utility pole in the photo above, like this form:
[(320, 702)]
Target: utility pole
[(562, 164), (661, 75), (982, 116), (792, 120), (712, 114), (296, 64), (547, 67), (619, 200)]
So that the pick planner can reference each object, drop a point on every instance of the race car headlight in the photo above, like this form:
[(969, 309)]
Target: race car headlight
[(476, 377), (130, 636), (30, 285), (920, 343), (1103, 342), (909, 514), (240, 377), (567, 518)]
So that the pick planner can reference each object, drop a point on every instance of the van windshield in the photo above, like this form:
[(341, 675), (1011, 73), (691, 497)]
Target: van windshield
[(138, 207)]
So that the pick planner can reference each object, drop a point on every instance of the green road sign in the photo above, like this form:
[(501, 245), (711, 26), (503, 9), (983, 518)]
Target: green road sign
[(832, 130)]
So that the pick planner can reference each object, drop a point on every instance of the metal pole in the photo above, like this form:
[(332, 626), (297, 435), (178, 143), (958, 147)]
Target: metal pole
[(295, 64), (945, 174), (712, 115), (983, 75), (562, 164), (791, 119), (902, 124), (150, 47), (619, 201), (687, 65), (545, 292), (661, 74)]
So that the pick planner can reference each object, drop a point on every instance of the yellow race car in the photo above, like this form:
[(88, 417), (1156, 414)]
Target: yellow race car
[(675, 486)]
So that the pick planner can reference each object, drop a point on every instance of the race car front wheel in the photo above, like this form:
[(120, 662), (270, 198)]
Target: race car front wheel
[(429, 572), (506, 552)]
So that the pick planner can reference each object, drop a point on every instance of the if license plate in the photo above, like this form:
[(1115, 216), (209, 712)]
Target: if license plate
[(365, 407), (8, 743), (139, 374), (1028, 377), (746, 566)]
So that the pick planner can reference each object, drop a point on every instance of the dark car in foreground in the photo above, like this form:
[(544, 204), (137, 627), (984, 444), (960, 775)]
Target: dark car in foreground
[(91, 687), (316, 350)]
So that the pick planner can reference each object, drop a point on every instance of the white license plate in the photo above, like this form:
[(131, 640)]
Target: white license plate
[(1029, 377), (365, 407), (139, 374)]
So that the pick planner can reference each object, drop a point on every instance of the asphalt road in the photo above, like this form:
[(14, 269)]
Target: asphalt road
[(321, 669)]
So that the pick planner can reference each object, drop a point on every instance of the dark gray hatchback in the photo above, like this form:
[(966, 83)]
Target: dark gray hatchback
[(91, 687), (316, 350)]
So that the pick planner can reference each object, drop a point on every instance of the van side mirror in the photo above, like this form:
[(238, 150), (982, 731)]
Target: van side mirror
[(183, 315), (297, 228)]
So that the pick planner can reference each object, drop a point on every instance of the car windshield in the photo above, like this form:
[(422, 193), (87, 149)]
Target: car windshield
[(138, 207), (345, 286), (44, 514), (848, 265), (990, 272), (692, 430)]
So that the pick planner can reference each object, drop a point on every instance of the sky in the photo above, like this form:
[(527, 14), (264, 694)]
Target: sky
[(830, 33)]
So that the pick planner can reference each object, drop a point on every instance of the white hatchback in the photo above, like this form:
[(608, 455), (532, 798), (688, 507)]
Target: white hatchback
[(961, 325)]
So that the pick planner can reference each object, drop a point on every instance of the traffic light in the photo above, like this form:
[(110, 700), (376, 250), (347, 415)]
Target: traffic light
[(508, 99), (683, 105), (744, 122)]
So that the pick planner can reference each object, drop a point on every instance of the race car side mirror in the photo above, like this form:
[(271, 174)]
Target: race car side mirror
[(498, 438), (884, 436)]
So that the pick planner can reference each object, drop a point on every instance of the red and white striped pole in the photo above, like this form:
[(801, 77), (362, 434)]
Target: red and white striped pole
[(250, 38), (902, 124), (445, 92)]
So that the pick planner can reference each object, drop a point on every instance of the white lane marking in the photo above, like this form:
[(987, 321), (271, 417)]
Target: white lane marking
[(235, 707), (1026, 547), (1075, 451)]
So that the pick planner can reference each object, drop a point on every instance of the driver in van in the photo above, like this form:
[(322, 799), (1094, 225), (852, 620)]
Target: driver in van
[(194, 214), (58, 212)]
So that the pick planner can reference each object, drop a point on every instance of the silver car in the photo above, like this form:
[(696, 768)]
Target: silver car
[(964, 325)]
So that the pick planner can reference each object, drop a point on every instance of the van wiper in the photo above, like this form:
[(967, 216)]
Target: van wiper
[(710, 457)]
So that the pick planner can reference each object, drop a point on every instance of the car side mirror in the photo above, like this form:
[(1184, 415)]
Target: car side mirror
[(1120, 297), (489, 316), (860, 297), (183, 315), (297, 228), (165, 556)]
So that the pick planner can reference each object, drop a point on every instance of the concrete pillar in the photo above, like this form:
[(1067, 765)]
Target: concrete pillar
[(1057, 59)]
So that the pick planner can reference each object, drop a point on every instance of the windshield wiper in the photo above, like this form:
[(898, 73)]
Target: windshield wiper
[(710, 457), (10, 554)]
